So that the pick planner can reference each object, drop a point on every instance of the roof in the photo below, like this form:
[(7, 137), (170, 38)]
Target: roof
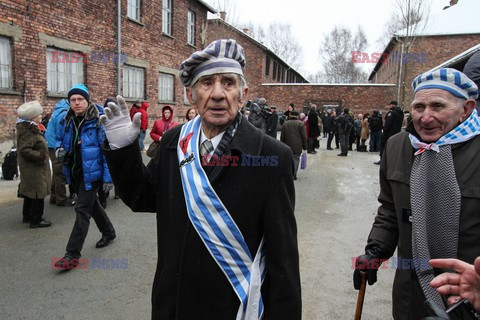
[(257, 43), (458, 19), (209, 7)]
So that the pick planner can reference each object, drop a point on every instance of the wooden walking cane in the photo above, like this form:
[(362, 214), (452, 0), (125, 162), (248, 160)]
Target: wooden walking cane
[(361, 296)]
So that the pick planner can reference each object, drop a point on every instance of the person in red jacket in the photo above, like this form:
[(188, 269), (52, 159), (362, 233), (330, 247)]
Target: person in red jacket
[(163, 124), (143, 123)]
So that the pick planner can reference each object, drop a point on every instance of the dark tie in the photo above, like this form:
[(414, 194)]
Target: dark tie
[(206, 148)]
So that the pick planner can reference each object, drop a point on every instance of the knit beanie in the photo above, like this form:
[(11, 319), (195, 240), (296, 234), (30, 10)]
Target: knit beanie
[(30, 110), (79, 89)]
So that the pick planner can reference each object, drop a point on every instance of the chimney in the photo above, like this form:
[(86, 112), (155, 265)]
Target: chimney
[(245, 30), (223, 15)]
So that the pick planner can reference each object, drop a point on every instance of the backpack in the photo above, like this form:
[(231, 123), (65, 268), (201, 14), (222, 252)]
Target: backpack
[(9, 166)]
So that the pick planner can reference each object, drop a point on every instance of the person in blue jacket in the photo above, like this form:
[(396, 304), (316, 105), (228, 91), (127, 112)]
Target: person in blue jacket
[(79, 146), (58, 194)]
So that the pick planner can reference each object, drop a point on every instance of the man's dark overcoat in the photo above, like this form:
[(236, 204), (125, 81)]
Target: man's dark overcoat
[(188, 283), (392, 228)]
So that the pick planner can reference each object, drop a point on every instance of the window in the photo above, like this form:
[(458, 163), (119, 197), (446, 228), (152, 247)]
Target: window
[(165, 87), (64, 70), (267, 66), (167, 17), (191, 28), (5, 64), (133, 9), (133, 82)]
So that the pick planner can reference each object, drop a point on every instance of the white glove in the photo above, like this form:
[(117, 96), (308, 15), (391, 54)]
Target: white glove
[(119, 129)]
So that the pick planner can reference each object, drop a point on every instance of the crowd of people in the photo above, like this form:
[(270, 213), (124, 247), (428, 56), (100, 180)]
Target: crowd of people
[(213, 229)]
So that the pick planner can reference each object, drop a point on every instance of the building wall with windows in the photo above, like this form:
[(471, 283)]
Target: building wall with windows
[(48, 46), (432, 50)]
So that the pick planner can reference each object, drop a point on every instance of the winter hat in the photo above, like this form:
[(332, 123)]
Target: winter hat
[(30, 110), (79, 89), (294, 113), (447, 79), (221, 56), (395, 103)]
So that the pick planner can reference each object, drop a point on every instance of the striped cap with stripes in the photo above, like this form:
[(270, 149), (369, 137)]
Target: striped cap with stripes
[(447, 79), (221, 56)]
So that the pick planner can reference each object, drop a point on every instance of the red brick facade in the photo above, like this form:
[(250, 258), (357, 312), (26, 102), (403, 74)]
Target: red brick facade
[(359, 98), (436, 49), (84, 26)]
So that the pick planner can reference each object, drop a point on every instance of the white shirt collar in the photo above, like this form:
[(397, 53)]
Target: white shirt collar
[(215, 140)]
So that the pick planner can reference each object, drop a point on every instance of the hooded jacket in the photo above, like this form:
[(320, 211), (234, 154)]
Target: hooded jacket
[(94, 167), (59, 111), (162, 125)]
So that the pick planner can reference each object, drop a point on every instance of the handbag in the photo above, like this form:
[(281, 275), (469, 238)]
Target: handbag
[(152, 149), (303, 161)]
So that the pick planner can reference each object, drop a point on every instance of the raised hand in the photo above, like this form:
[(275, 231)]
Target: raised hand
[(119, 129)]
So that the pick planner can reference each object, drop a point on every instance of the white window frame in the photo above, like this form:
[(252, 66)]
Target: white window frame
[(63, 74), (191, 28), (133, 9), (167, 17), (6, 76), (133, 82), (166, 87)]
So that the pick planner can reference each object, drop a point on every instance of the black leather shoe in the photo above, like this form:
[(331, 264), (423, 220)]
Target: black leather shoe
[(66, 203), (378, 162), (342, 154), (105, 240), (67, 262), (41, 224), (329, 148)]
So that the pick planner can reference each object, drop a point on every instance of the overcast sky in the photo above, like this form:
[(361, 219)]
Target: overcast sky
[(310, 19)]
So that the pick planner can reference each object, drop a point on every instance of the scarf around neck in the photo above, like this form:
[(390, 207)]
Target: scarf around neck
[(436, 201)]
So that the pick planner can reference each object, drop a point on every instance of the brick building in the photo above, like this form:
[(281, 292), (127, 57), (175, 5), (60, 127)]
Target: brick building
[(440, 41), (270, 77), (48, 46)]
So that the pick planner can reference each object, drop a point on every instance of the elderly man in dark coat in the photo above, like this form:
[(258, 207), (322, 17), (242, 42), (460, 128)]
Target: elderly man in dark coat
[(224, 197), (294, 135), (429, 191)]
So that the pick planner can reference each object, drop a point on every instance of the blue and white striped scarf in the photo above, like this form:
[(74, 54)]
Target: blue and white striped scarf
[(461, 133), (217, 229)]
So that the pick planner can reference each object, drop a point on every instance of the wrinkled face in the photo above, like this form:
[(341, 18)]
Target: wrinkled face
[(78, 104), (436, 112), (167, 113), (192, 113), (217, 98)]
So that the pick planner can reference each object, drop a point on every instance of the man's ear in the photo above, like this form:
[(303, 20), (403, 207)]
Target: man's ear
[(189, 95), (245, 94), (468, 108)]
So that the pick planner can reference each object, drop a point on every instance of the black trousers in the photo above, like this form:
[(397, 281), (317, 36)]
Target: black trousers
[(33, 209), (86, 207), (344, 141), (329, 140)]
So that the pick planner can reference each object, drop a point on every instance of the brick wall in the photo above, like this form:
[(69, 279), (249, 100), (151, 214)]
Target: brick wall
[(359, 98), (437, 49), (89, 25)]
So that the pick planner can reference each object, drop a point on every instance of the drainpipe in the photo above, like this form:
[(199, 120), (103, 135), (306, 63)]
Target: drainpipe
[(399, 82), (119, 46)]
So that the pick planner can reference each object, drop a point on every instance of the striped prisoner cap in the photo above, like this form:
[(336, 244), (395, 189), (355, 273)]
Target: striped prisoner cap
[(221, 56), (447, 79)]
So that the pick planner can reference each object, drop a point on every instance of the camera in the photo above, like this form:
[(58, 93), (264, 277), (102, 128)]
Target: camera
[(259, 109), (462, 309)]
